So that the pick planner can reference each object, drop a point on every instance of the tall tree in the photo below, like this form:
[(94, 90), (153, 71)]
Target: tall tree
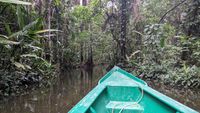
[(123, 32)]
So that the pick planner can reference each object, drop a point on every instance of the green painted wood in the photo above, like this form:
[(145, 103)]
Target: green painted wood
[(118, 88), (131, 107)]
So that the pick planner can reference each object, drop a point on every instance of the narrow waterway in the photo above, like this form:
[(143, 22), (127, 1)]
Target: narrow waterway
[(72, 85)]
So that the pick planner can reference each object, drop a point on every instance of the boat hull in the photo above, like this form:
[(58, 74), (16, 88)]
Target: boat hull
[(119, 91)]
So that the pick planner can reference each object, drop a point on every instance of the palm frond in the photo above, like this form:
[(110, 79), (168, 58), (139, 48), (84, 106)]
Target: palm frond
[(16, 2), (24, 30), (47, 30)]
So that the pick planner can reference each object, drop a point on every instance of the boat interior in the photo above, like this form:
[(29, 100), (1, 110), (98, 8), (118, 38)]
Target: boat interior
[(128, 99)]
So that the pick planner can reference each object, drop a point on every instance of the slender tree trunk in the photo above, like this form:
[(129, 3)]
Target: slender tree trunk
[(49, 33), (123, 30), (48, 26), (63, 39), (81, 46), (85, 53), (55, 40), (81, 53), (90, 54), (136, 10), (82, 27)]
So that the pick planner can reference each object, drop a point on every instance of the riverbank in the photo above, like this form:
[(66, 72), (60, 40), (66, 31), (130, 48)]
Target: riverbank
[(179, 77), (19, 82)]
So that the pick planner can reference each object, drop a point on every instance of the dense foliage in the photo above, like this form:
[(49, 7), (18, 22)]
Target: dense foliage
[(159, 38), (170, 47), (21, 46)]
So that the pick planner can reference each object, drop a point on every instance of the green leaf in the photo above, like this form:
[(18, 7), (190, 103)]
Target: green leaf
[(6, 41), (31, 25), (57, 2), (22, 66), (19, 65), (34, 47), (162, 42), (20, 17), (25, 28), (4, 36), (16, 2), (47, 30), (7, 26), (27, 66), (30, 55)]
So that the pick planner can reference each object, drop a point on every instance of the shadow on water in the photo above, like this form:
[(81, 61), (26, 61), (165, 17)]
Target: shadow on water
[(70, 87), (73, 85)]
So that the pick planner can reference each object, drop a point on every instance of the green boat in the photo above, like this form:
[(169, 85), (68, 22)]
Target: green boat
[(121, 92)]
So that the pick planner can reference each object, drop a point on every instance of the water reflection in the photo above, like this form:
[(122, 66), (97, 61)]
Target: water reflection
[(187, 97), (73, 85), (70, 87)]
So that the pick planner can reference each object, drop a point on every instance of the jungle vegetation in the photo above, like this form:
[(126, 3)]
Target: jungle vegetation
[(158, 39)]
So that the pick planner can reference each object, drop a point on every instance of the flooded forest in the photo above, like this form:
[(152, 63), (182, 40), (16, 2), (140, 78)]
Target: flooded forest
[(53, 52)]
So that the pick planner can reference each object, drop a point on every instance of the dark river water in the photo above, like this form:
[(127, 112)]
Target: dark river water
[(73, 85)]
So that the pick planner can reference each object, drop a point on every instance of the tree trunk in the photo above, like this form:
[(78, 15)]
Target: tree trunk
[(123, 30), (48, 26), (64, 36), (90, 55), (90, 51), (81, 53), (55, 40), (136, 10)]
